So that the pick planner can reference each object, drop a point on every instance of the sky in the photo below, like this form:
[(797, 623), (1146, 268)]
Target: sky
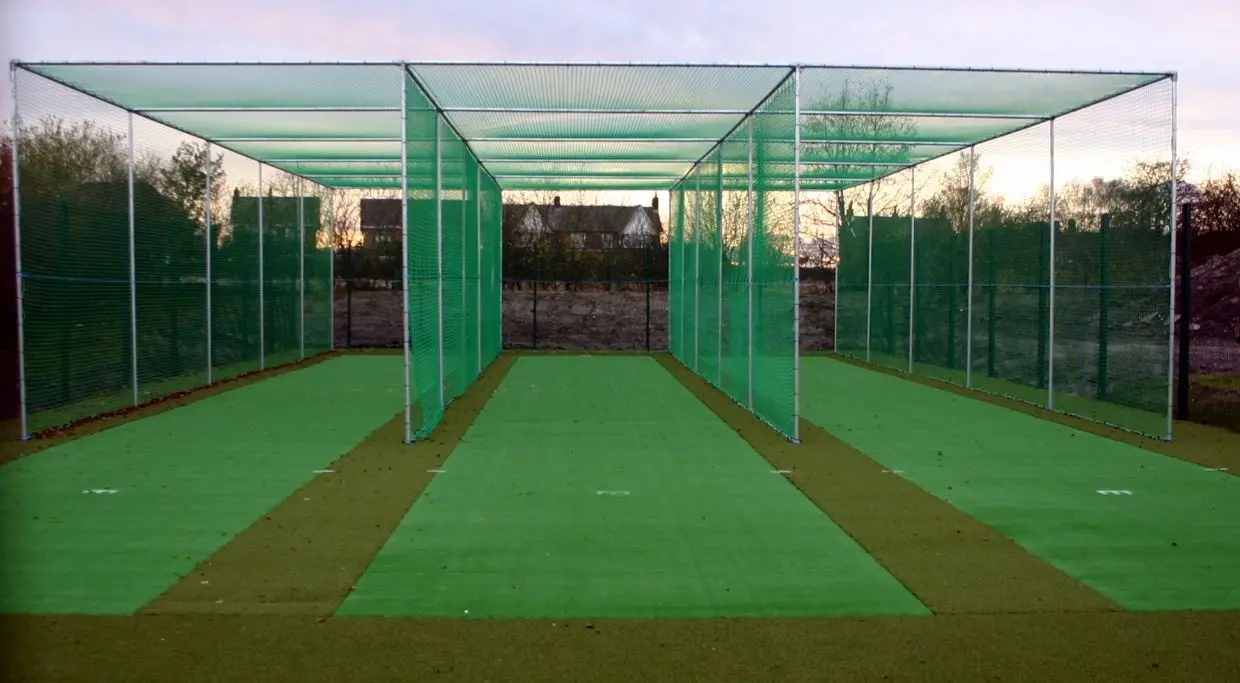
[(1195, 38)]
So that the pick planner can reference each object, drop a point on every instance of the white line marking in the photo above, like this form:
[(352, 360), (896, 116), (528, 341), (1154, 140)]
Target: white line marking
[(1216, 469), (325, 471), (1115, 492), (98, 490), (435, 471), (781, 471), (612, 493), (893, 471)]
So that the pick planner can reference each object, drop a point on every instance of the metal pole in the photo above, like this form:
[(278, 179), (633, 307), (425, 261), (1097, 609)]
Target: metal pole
[(301, 263), (439, 246), (404, 248), (1050, 326), (133, 273), (210, 244), (464, 279), (796, 259), (262, 302), (331, 268), (912, 263), (17, 256), (478, 227), (750, 268), (968, 331), (1186, 313), (719, 279), (869, 273)]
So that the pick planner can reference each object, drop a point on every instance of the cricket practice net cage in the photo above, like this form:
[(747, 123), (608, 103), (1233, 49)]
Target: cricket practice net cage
[(1007, 230)]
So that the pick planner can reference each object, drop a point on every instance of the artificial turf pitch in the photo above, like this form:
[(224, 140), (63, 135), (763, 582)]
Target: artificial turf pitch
[(1148, 531), (599, 487), (1065, 634)]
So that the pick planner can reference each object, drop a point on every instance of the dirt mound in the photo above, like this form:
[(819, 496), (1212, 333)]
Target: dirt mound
[(1216, 298)]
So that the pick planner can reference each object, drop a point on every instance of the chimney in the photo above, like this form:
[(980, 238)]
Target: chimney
[(654, 202), (556, 201)]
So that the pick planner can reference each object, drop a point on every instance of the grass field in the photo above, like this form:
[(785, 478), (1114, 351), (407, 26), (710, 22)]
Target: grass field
[(614, 518)]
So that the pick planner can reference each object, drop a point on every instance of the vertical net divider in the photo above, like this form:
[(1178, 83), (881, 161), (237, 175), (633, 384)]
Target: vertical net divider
[(869, 270), (207, 243), (262, 301), (912, 266), (133, 268), (404, 239), (968, 325), (24, 418), (750, 268), (1175, 215), (1050, 332), (796, 257)]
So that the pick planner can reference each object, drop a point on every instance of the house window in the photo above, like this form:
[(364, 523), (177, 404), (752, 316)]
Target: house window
[(579, 240), (608, 240)]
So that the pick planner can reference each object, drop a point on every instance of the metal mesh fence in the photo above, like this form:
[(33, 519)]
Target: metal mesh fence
[(1035, 265), (152, 262)]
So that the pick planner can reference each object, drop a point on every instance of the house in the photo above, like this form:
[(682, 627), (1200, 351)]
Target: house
[(381, 224), (585, 228)]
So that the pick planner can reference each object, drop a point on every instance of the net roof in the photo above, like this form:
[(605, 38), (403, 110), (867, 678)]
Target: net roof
[(589, 126)]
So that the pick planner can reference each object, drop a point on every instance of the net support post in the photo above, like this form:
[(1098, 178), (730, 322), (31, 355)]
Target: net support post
[(1104, 307), (208, 244), (439, 248), (719, 277), (404, 248), (262, 301), (968, 324), (912, 266), (1185, 288), (796, 256), (331, 269), (481, 247), (301, 266), (1050, 278), (750, 270), (869, 272), (23, 408), (133, 268)]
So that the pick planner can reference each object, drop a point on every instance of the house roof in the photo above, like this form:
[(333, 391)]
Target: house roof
[(582, 217)]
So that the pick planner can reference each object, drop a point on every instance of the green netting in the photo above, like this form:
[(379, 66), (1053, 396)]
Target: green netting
[(154, 262), (453, 264), (980, 286), (345, 113), (733, 252)]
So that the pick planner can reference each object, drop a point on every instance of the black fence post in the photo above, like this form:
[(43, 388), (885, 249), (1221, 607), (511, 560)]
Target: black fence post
[(646, 268), (348, 297), (537, 274), (1104, 307), (1185, 311)]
